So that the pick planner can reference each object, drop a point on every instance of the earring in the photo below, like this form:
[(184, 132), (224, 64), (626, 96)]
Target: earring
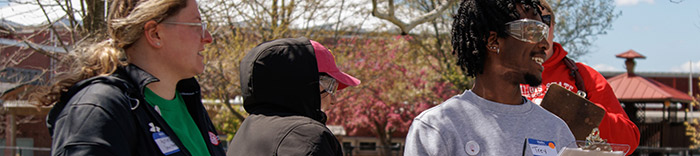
[(498, 50), (158, 43)]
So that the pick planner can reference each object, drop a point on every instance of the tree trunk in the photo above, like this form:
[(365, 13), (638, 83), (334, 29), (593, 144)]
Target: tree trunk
[(233, 111), (95, 20), (384, 141)]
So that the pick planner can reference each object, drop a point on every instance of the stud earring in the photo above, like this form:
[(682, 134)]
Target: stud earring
[(498, 50), (158, 43)]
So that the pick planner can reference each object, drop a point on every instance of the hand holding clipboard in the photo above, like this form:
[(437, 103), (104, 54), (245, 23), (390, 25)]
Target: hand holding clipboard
[(581, 115), (583, 118)]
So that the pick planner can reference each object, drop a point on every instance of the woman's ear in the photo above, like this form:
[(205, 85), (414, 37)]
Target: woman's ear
[(150, 31), (492, 42)]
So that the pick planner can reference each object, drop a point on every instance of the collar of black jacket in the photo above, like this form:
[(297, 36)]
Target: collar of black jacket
[(137, 76)]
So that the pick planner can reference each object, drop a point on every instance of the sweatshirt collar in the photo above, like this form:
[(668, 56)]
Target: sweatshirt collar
[(522, 109), (558, 53)]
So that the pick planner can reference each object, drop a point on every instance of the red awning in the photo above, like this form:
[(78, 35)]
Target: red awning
[(639, 89)]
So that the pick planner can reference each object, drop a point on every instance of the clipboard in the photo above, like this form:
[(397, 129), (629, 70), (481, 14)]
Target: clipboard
[(581, 115), (587, 148), (582, 152)]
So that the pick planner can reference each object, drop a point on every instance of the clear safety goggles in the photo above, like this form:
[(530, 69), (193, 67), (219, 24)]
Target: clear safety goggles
[(528, 30), (328, 83), (203, 25)]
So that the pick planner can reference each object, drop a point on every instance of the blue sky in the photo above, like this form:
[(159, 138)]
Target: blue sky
[(668, 34)]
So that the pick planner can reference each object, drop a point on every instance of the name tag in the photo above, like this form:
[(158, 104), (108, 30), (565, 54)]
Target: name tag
[(542, 148), (166, 145)]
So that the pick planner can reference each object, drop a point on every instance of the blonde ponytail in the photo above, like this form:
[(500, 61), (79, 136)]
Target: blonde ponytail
[(97, 59), (124, 26)]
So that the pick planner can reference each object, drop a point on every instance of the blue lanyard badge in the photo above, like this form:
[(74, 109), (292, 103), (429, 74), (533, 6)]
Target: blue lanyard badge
[(542, 148), (165, 144)]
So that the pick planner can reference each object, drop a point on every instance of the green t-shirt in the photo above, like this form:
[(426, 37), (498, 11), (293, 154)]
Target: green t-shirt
[(178, 118)]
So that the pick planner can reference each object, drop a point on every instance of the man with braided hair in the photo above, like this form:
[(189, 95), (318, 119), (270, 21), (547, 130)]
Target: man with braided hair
[(615, 127), (502, 44)]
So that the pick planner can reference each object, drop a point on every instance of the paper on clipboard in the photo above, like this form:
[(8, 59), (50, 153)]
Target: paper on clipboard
[(580, 114), (582, 152)]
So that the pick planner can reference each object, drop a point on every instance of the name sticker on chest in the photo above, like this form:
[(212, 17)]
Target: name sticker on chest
[(166, 145), (542, 148)]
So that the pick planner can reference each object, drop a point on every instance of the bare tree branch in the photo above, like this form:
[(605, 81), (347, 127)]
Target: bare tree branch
[(406, 27), (50, 24), (578, 23)]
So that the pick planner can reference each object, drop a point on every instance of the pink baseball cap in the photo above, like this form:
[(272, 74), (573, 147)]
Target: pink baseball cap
[(326, 64)]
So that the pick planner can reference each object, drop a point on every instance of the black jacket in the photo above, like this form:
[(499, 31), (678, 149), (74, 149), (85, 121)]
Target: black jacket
[(279, 80), (107, 115)]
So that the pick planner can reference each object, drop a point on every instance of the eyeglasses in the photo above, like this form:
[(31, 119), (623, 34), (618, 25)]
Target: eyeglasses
[(547, 19), (202, 24), (527, 30), (328, 84)]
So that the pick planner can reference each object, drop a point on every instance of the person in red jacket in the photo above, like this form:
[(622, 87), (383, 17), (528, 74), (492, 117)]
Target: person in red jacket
[(616, 126)]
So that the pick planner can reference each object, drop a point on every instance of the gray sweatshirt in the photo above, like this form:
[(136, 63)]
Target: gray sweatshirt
[(467, 124)]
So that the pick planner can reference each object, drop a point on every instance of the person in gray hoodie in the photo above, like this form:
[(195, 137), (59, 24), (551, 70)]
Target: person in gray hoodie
[(502, 44), (284, 83)]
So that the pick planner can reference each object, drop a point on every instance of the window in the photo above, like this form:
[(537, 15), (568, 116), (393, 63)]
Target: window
[(19, 75), (368, 146), (347, 147), (21, 142)]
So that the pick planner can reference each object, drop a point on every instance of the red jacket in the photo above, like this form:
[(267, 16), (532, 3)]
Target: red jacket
[(616, 127)]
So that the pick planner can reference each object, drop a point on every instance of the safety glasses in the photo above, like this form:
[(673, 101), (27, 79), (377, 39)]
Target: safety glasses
[(527, 30), (328, 83), (202, 24)]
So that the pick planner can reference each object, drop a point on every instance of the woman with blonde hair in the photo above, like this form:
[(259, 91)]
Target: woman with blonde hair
[(135, 92)]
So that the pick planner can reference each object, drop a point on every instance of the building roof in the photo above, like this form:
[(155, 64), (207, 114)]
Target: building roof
[(6, 86), (23, 107), (630, 54), (631, 88), (611, 74)]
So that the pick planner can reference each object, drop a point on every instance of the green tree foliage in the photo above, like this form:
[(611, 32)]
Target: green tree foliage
[(579, 23), (220, 80), (221, 117), (435, 42), (692, 127)]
